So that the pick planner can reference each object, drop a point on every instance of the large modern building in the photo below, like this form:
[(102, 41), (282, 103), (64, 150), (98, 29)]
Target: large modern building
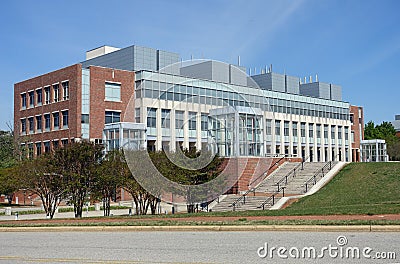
[(150, 97)]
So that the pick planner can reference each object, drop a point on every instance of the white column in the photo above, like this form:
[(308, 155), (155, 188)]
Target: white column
[(186, 130), (172, 143), (159, 130)]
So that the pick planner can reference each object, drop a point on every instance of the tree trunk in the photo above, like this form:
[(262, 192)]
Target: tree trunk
[(190, 208), (106, 206)]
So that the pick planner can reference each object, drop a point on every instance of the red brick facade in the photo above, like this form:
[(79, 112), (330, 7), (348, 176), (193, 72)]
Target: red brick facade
[(357, 130), (72, 75), (98, 105)]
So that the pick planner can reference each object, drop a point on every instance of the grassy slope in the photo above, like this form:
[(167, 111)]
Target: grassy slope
[(360, 188)]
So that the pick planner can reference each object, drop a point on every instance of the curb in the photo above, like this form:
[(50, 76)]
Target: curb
[(243, 228)]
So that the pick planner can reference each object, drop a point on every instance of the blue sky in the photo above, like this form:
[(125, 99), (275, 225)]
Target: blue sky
[(355, 44)]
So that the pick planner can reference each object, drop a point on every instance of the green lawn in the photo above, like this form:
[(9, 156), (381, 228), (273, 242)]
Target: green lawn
[(360, 188)]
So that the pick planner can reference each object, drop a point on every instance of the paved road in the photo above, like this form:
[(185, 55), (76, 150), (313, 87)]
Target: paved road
[(184, 247)]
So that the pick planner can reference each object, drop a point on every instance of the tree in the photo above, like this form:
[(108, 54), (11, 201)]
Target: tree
[(185, 176), (387, 132), (78, 164), (111, 174), (9, 183), (38, 176), (7, 149)]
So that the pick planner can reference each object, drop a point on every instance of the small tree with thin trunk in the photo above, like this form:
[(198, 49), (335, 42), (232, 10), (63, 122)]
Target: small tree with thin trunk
[(78, 164), (38, 176), (110, 177)]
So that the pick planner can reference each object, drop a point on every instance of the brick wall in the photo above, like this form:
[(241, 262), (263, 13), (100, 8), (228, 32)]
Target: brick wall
[(98, 105), (72, 74), (357, 113)]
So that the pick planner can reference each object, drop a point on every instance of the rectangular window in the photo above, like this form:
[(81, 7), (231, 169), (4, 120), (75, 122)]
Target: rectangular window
[(85, 119), (39, 96), (165, 118), (286, 129), (303, 129), (333, 133), (326, 132), (23, 100), (137, 115), (56, 92), (204, 122), (277, 127), (30, 150), (268, 127), (179, 119), (23, 125), (65, 86), (47, 122), (151, 117), (113, 92), (112, 117), (310, 130), (352, 137), (339, 132), (46, 146), (65, 118), (39, 123), (31, 124), (294, 129), (318, 131), (31, 99), (47, 95), (192, 120), (56, 120), (56, 144), (64, 142), (38, 148)]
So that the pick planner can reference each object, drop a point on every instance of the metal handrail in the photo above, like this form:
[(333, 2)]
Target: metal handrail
[(243, 196), (284, 178), (272, 197), (262, 174), (313, 179)]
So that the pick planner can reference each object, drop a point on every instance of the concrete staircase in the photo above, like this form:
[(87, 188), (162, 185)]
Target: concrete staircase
[(293, 186)]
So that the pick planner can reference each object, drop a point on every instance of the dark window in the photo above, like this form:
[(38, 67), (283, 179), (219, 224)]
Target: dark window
[(47, 122), (204, 122), (64, 142), (192, 120), (56, 92), (179, 119), (23, 100), (39, 96), (47, 147), (85, 119), (47, 95), (56, 120), (112, 117), (65, 119), (65, 86), (38, 148), (31, 124), (151, 117), (23, 125), (165, 118), (39, 123), (31, 99)]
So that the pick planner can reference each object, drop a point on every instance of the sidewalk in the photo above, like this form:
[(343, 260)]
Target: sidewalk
[(61, 215)]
